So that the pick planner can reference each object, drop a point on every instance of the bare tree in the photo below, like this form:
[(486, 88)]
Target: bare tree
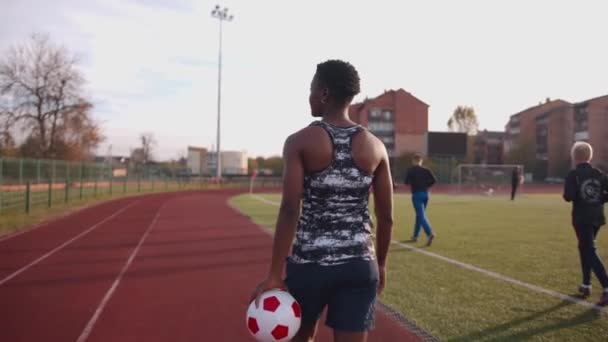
[(137, 156), (464, 120), (41, 93), (148, 143)]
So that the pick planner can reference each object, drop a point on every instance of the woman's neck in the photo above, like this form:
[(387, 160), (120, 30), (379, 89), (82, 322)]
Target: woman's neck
[(338, 117)]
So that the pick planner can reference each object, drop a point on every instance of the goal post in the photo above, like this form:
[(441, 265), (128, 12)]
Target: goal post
[(485, 177)]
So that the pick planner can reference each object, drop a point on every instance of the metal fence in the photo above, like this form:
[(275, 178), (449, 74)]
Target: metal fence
[(445, 168), (26, 184)]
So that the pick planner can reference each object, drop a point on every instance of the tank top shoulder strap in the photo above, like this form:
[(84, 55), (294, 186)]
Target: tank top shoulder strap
[(336, 133), (341, 138)]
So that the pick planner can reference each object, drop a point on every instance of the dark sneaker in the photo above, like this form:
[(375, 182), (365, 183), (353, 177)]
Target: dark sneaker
[(584, 291), (604, 300), (430, 240), (412, 239)]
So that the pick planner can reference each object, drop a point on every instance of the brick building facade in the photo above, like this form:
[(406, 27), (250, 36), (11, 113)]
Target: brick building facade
[(397, 117), (486, 147), (590, 123), (551, 128)]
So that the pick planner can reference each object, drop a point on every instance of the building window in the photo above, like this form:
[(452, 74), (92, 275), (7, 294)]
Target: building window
[(381, 127), (388, 140), (581, 119), (381, 123), (541, 140), (514, 130), (542, 119), (375, 113)]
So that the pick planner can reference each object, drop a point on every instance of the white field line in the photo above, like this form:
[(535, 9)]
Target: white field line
[(91, 324), (267, 201), (485, 272), (63, 245)]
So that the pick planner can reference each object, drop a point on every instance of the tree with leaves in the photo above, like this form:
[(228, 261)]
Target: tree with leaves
[(42, 95), (464, 120), (252, 165), (273, 164)]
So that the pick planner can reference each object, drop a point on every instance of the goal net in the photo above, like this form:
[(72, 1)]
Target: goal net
[(486, 178)]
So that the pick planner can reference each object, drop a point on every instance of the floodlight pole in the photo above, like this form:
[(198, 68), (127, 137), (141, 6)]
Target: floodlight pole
[(222, 15)]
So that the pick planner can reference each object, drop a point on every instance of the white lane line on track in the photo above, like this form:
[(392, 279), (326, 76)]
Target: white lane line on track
[(63, 245), (485, 272), (91, 324), (53, 220)]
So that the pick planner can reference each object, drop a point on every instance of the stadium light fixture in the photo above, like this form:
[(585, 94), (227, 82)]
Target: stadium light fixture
[(222, 15)]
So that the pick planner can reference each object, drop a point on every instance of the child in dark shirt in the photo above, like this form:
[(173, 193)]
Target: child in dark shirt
[(587, 188), (516, 180)]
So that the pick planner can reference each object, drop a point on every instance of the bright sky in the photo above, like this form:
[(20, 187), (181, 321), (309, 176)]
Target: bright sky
[(151, 65)]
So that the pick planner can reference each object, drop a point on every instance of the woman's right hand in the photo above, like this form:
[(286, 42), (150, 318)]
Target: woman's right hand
[(381, 279), (270, 283)]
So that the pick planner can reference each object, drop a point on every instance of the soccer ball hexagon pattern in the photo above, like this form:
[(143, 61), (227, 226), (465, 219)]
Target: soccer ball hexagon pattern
[(277, 319)]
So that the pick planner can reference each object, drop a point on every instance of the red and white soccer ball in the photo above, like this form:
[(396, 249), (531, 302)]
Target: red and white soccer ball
[(277, 318)]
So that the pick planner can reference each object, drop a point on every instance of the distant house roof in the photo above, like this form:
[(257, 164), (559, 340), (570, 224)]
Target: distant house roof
[(356, 107), (195, 148), (586, 102), (492, 134), (550, 105), (401, 92)]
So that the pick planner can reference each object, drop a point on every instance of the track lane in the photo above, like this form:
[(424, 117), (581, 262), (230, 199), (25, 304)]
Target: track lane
[(20, 249), (54, 299), (193, 277)]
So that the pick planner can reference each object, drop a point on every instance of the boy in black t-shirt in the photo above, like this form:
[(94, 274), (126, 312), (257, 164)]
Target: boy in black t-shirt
[(587, 188), (420, 179)]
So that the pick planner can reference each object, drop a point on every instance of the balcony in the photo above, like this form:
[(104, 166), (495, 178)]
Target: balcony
[(514, 130), (542, 156), (381, 127)]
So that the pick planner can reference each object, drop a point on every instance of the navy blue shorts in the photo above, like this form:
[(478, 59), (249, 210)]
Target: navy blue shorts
[(348, 290)]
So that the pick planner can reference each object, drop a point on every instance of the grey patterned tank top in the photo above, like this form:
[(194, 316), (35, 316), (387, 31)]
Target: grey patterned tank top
[(335, 225)]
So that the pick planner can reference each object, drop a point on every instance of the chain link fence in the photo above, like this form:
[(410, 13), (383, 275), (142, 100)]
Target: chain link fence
[(26, 184)]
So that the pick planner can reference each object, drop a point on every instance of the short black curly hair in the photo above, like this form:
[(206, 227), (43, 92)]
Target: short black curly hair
[(340, 77)]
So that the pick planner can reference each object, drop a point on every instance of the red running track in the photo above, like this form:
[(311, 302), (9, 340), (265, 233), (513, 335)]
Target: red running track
[(170, 267)]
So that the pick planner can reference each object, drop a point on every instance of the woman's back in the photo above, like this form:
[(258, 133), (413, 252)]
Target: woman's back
[(334, 225), (329, 167)]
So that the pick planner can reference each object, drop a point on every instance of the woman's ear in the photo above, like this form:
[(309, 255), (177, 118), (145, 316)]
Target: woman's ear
[(325, 95)]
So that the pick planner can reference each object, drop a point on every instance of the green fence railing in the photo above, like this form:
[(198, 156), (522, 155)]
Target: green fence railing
[(26, 184)]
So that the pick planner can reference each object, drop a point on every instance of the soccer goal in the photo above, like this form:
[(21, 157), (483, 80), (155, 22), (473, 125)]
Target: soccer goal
[(486, 178)]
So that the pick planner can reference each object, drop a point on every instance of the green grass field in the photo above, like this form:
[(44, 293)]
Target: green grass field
[(530, 240), (14, 220)]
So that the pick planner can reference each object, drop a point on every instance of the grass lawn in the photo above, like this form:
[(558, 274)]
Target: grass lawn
[(16, 219), (530, 240)]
